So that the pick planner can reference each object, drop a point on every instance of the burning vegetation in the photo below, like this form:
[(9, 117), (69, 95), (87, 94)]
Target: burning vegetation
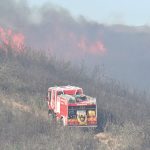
[(50, 29), (88, 46), (11, 39)]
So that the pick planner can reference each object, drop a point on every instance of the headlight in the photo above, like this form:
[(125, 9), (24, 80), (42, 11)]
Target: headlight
[(91, 113)]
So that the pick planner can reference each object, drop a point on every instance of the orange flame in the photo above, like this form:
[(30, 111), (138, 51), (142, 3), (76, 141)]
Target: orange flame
[(18, 41), (12, 39), (84, 44), (97, 48)]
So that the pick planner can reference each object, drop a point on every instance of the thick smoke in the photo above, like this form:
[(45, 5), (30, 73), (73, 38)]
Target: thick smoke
[(124, 50), (51, 28)]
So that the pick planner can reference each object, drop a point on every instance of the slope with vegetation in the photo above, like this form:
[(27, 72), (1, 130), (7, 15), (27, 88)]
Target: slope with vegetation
[(123, 113)]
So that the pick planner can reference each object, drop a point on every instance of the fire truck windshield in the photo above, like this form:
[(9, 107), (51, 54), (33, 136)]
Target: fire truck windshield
[(80, 98)]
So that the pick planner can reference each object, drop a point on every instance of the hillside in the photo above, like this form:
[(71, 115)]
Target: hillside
[(123, 49), (123, 113)]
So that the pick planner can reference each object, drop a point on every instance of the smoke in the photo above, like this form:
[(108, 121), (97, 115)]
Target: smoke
[(124, 50), (14, 13), (52, 28)]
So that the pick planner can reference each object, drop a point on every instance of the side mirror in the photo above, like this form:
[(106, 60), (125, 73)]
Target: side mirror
[(46, 98)]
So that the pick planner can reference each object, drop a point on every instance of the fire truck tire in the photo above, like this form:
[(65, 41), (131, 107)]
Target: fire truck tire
[(51, 114)]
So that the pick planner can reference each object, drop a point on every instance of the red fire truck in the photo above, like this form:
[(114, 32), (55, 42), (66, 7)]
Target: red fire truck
[(69, 104)]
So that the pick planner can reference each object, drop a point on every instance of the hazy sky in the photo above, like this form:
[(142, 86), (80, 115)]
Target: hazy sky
[(130, 12)]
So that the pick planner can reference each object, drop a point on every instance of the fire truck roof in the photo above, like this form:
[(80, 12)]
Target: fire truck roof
[(62, 88)]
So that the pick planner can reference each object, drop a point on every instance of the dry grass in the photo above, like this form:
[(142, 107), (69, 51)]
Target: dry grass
[(123, 113)]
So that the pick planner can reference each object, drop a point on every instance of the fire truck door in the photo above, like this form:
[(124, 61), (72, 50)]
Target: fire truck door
[(58, 105), (53, 96), (49, 98)]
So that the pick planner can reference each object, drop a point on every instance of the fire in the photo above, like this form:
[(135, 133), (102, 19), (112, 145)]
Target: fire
[(9, 38), (66, 42), (18, 41), (97, 47), (86, 45)]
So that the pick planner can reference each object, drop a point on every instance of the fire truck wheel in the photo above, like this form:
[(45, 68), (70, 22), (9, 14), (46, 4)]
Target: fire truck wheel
[(49, 113)]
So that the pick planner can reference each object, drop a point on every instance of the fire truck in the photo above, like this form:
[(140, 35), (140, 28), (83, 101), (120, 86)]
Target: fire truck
[(70, 105)]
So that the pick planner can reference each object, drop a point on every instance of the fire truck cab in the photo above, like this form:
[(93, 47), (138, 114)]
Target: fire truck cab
[(72, 106)]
